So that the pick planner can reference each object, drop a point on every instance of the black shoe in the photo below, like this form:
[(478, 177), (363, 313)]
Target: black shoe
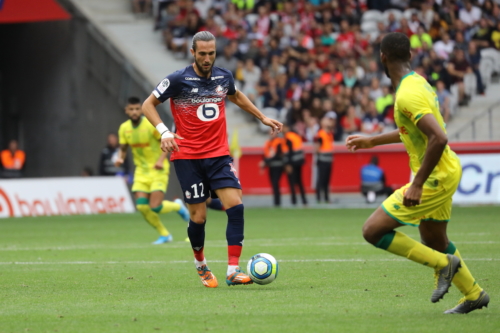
[(444, 277), (464, 306)]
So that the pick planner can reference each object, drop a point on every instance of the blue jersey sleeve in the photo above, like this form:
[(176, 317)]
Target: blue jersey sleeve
[(231, 89), (168, 87)]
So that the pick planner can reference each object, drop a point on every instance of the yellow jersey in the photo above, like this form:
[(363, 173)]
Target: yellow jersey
[(414, 99), (144, 140)]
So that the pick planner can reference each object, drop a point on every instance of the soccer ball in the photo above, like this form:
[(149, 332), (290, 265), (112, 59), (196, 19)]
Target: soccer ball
[(262, 268)]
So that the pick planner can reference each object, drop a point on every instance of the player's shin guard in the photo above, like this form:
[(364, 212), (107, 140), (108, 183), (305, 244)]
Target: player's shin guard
[(196, 234), (142, 205), (166, 207), (215, 204), (402, 245), (234, 234), (463, 279)]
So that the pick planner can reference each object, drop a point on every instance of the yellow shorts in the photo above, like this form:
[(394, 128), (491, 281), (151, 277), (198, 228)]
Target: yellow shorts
[(435, 206), (155, 180)]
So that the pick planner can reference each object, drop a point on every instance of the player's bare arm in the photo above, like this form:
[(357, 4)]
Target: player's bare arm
[(244, 103), (168, 143), (159, 164), (437, 141), (355, 142), (121, 155)]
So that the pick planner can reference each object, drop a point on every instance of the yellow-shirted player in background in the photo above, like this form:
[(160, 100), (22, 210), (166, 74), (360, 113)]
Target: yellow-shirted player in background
[(427, 201), (151, 169)]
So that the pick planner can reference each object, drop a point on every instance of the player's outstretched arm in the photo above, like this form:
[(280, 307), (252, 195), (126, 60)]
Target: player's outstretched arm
[(244, 103), (168, 143), (355, 142), (121, 155)]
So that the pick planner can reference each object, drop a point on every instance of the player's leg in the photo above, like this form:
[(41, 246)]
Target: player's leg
[(275, 176), (328, 176), (231, 198), (215, 204), (154, 220), (158, 188), (433, 234), (195, 192), (379, 231)]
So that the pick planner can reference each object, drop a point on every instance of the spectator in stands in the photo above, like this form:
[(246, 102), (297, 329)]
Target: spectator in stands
[(13, 161), (415, 23), (392, 24), (444, 47), (228, 60), (373, 181), (375, 90), (473, 56), (108, 158), (384, 101), (141, 6), (351, 123), (372, 121), (419, 39), (482, 37), (438, 24), (470, 14), (444, 100), (458, 67), (495, 36), (251, 76)]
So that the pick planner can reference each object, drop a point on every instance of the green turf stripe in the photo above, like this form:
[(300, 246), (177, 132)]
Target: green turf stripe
[(451, 249), (405, 223), (142, 201)]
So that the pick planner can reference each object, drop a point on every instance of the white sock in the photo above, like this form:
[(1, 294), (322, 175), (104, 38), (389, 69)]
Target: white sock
[(231, 269), (198, 264)]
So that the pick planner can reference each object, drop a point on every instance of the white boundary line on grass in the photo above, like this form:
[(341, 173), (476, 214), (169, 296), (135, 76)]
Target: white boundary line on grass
[(213, 261), (178, 245)]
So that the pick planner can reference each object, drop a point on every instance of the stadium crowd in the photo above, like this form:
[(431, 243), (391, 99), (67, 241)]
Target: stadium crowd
[(299, 60)]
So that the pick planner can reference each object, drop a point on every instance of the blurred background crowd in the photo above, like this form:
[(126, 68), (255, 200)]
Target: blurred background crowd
[(299, 60)]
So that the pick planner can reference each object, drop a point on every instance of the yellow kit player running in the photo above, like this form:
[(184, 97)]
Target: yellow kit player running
[(426, 202), (151, 169)]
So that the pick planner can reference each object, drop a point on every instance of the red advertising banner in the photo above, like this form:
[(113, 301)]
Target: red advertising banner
[(22, 11)]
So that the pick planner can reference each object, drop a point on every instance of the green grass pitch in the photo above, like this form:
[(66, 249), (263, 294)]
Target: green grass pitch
[(101, 274)]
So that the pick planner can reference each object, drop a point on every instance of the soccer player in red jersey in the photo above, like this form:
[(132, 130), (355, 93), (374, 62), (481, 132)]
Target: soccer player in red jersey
[(200, 151)]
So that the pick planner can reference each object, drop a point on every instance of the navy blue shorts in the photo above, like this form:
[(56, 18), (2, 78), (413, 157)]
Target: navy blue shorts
[(200, 178)]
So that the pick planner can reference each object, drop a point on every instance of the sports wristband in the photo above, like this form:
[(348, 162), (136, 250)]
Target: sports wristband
[(163, 130)]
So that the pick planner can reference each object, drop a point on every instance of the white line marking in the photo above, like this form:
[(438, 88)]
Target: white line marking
[(180, 245), (212, 261)]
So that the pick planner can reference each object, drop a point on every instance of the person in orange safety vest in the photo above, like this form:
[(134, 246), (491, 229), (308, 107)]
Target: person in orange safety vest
[(12, 160)]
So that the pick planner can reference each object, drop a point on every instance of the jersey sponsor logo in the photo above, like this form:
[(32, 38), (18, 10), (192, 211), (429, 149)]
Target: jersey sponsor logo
[(194, 90), (208, 112), (187, 194), (206, 100), (407, 113), (219, 90), (217, 77), (162, 87), (403, 130), (187, 78)]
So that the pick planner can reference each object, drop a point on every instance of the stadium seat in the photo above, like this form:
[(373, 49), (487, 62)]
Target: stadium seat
[(486, 67), (494, 55), (453, 99), (397, 14), (369, 26), (372, 15), (470, 84)]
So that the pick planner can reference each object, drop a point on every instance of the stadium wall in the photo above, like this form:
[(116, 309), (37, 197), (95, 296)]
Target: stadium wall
[(393, 159)]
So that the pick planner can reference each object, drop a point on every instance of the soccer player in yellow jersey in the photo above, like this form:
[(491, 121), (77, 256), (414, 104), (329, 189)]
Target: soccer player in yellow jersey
[(151, 169), (426, 201)]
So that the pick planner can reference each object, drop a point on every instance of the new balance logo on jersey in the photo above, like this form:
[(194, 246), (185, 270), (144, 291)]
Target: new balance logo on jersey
[(217, 77), (206, 100), (194, 90)]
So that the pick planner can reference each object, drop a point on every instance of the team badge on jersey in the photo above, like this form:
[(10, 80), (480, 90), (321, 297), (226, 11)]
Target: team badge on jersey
[(188, 195), (219, 90), (163, 85)]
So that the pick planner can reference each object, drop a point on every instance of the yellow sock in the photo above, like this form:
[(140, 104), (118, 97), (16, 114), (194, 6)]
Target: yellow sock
[(463, 279), (402, 245), (167, 207), (152, 218)]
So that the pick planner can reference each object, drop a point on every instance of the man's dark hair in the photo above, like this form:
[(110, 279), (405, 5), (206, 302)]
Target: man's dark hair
[(133, 100), (396, 47), (204, 36)]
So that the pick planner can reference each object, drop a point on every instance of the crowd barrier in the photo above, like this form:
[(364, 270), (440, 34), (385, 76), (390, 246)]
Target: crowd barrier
[(480, 161), (64, 196)]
